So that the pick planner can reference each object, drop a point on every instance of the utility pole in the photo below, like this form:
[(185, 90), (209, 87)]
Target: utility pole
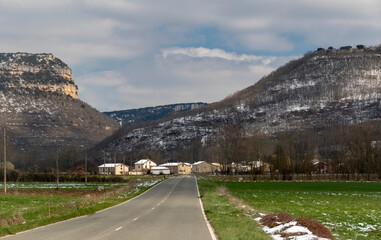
[(5, 160), (86, 167), (114, 162), (57, 177), (104, 163), (124, 163)]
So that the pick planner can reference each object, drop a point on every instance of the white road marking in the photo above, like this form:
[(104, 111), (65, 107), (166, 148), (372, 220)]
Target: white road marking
[(118, 229)]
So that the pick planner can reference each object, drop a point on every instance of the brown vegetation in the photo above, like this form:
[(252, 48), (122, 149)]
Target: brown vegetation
[(315, 227), (275, 219), (13, 220)]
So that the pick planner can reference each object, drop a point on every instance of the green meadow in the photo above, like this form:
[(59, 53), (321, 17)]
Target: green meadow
[(352, 210), (38, 204)]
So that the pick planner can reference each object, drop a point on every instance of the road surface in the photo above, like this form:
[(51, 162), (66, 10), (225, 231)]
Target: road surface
[(170, 211)]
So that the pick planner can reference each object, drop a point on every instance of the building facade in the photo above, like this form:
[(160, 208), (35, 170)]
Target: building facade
[(113, 169), (202, 167), (143, 166)]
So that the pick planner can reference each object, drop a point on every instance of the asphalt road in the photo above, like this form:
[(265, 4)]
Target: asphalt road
[(170, 211)]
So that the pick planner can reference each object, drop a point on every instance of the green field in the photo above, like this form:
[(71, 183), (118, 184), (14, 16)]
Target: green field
[(37, 204), (352, 210), (229, 222), (65, 185)]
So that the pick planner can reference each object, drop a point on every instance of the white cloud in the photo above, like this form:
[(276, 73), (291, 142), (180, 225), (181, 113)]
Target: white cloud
[(115, 5), (202, 52), (39, 5)]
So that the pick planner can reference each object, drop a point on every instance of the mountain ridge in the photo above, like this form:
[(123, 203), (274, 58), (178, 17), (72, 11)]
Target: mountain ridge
[(321, 89), (133, 116)]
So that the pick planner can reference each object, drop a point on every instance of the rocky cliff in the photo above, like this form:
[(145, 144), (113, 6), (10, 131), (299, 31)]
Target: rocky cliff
[(324, 88), (36, 71), (133, 116), (39, 105)]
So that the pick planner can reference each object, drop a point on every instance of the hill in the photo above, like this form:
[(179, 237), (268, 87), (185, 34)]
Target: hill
[(133, 116), (39, 105), (323, 88)]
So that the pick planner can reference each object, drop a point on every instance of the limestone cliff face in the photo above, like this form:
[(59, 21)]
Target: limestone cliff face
[(39, 105), (43, 72), (133, 116)]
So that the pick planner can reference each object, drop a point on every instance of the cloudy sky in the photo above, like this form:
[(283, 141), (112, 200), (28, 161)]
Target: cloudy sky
[(137, 53)]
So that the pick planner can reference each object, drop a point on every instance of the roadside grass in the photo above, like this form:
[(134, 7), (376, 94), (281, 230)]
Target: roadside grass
[(64, 185), (228, 221), (23, 211), (352, 210)]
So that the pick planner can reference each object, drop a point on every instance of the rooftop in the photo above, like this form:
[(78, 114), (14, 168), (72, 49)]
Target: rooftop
[(110, 165), (142, 161)]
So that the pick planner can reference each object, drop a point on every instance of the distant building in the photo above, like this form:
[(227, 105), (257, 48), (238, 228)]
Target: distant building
[(258, 167), (320, 166), (113, 169), (160, 170), (143, 166), (241, 168), (202, 167), (216, 168), (178, 167)]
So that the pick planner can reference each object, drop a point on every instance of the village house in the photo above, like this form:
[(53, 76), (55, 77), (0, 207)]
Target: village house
[(202, 167), (241, 168), (216, 168), (320, 167), (143, 166), (160, 170), (231, 168), (178, 167), (113, 169), (258, 167)]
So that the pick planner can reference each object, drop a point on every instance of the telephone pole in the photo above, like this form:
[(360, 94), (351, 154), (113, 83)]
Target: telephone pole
[(104, 163), (5, 160), (124, 163), (86, 167), (57, 177)]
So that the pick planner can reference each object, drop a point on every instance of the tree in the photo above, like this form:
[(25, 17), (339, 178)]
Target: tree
[(281, 162), (230, 144)]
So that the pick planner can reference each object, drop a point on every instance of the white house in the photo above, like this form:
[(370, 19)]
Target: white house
[(144, 165), (160, 170), (178, 167), (113, 169)]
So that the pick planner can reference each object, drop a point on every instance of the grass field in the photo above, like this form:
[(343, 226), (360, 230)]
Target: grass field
[(65, 185), (229, 222), (37, 204), (352, 210)]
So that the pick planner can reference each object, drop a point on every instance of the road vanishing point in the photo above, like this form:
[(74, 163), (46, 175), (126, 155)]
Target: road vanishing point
[(170, 210)]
